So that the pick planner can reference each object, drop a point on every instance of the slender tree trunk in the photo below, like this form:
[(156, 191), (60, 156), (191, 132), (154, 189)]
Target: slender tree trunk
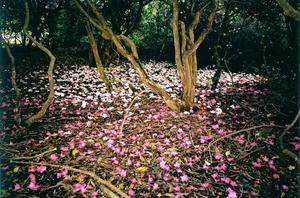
[(50, 98), (14, 82), (217, 75), (97, 59), (217, 47)]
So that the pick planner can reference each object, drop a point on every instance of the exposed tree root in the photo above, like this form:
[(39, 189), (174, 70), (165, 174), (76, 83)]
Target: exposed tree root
[(107, 185)]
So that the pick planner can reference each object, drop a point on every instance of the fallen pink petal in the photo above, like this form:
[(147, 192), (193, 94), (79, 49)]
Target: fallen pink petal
[(17, 187), (33, 186), (149, 98), (80, 187), (41, 169)]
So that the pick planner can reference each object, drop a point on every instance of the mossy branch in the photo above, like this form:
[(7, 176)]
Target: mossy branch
[(288, 10)]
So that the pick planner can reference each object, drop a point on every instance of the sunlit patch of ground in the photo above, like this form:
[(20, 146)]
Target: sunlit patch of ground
[(157, 152)]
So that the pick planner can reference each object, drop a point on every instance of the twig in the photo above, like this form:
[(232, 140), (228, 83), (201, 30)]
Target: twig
[(237, 132), (91, 174), (128, 110), (284, 150), (259, 149), (35, 156)]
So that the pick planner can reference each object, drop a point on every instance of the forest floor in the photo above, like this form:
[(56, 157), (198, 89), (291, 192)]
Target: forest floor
[(90, 144)]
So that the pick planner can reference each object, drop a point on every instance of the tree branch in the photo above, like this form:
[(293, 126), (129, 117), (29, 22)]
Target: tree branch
[(97, 58), (85, 172), (50, 98), (208, 29), (288, 10)]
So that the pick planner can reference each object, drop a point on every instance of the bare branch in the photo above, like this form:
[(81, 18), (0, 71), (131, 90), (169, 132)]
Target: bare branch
[(131, 44), (50, 98), (208, 29)]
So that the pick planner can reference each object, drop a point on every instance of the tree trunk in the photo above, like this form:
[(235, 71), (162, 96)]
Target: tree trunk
[(186, 47), (97, 59), (131, 55), (14, 82), (50, 98)]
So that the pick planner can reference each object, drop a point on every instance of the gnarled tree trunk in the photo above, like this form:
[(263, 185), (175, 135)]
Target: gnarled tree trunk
[(186, 47), (131, 55), (50, 98)]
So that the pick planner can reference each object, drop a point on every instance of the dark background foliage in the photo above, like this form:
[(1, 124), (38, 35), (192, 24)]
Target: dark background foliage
[(251, 36)]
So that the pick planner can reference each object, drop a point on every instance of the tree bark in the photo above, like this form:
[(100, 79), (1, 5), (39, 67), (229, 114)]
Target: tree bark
[(97, 58), (186, 47), (50, 97)]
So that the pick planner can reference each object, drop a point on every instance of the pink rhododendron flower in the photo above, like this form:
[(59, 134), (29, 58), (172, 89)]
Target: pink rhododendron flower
[(4, 167), (121, 172), (89, 123), (177, 188), (231, 193), (17, 187), (220, 167), (62, 174), (33, 186), (167, 177), (285, 187), (215, 126), (128, 162), (271, 164), (221, 132), (155, 186), (253, 193), (205, 138), (150, 179), (215, 175), (296, 145), (64, 148), (32, 178), (264, 158), (31, 169), (131, 192), (41, 169), (80, 187), (94, 194), (205, 185), (177, 164), (205, 166), (53, 157), (257, 163), (163, 165), (226, 180), (184, 178), (218, 156), (275, 176), (82, 144), (233, 183)]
